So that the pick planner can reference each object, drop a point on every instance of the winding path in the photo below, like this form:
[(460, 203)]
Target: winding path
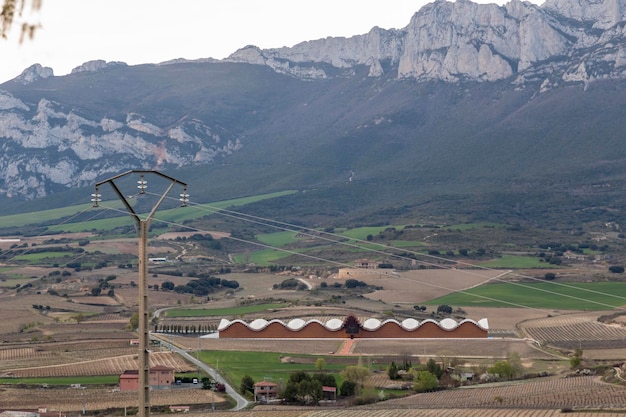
[(241, 401)]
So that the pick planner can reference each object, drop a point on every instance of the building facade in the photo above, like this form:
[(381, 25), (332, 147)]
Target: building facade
[(159, 376)]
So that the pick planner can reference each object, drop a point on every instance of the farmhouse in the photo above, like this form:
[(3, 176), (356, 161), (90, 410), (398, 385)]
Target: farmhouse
[(351, 327), (365, 264), (159, 376), (265, 391)]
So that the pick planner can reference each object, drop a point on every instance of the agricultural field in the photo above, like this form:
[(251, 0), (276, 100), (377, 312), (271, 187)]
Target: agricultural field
[(76, 334), (69, 400), (273, 411), (578, 392), (557, 296), (222, 312), (564, 332), (115, 365)]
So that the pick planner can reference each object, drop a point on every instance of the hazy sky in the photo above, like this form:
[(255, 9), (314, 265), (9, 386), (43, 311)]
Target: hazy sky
[(151, 31)]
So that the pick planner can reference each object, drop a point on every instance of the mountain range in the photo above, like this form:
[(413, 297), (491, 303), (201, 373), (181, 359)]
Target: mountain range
[(511, 113)]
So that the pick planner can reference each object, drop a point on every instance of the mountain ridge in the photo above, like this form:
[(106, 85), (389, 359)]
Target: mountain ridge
[(460, 113)]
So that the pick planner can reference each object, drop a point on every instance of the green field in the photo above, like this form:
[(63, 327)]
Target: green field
[(46, 215), (263, 257), (361, 233), (176, 215), (544, 295), (263, 365), (235, 311), (39, 256)]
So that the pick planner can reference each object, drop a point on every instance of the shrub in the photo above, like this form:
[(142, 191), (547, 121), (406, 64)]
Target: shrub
[(347, 388)]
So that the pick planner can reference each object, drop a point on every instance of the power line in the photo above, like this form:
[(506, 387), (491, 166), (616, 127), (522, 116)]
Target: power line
[(298, 229)]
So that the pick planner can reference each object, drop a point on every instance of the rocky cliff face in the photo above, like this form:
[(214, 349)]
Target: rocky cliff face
[(49, 148), (467, 41), (49, 144)]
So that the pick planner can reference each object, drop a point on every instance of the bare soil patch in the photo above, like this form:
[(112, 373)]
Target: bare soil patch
[(426, 284), (39, 240), (554, 392), (580, 330), (71, 400), (503, 318), (108, 366)]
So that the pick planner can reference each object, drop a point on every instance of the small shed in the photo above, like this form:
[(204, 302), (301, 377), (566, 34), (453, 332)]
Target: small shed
[(329, 393)]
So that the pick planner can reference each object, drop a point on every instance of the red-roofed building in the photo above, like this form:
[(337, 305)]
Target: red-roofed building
[(265, 391), (159, 376), (329, 393)]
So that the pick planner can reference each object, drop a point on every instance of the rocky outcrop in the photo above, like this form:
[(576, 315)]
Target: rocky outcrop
[(95, 66), (454, 41), (601, 14), (34, 73), (54, 148)]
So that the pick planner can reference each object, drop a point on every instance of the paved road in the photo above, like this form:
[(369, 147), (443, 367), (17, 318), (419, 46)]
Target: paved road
[(241, 401)]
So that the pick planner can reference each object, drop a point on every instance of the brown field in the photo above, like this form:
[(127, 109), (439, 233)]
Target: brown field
[(62, 353), (108, 366), (64, 400), (273, 411), (422, 285), (99, 344), (571, 331), (555, 393), (479, 348)]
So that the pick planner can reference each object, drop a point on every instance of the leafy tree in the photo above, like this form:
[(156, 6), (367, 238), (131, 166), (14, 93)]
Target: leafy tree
[(247, 384), (326, 379), (577, 359), (392, 371), (504, 369), (355, 373), (208, 383), (516, 362), (425, 381), (96, 291), (353, 283), (133, 323), (320, 364), (434, 368), (616, 269), (302, 389), (549, 276), (444, 309), (347, 389)]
